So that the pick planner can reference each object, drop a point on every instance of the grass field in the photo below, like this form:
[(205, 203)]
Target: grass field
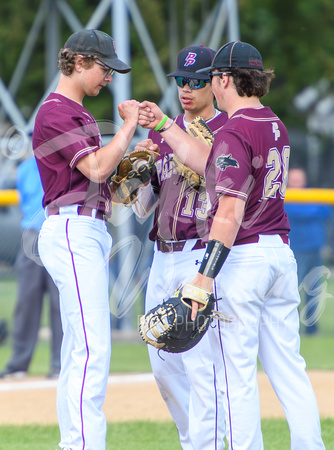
[(132, 357), (144, 436)]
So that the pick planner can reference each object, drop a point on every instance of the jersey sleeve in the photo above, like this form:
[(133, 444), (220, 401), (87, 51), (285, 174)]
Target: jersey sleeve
[(70, 134)]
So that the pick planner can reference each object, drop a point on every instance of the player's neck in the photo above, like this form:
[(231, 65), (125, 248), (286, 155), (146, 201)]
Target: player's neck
[(207, 114), (241, 103), (68, 89)]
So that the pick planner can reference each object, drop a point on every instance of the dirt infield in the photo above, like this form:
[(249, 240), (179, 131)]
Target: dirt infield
[(132, 397)]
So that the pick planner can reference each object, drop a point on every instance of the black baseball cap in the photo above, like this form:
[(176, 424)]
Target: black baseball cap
[(99, 44), (192, 58), (236, 54)]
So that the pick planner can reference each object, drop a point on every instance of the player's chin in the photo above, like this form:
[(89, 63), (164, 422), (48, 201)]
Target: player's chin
[(96, 90), (187, 105)]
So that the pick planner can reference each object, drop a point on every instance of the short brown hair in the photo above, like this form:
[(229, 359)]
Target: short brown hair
[(67, 58), (251, 82)]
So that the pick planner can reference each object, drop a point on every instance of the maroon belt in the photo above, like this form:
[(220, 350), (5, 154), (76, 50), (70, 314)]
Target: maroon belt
[(256, 238), (82, 211), (177, 246)]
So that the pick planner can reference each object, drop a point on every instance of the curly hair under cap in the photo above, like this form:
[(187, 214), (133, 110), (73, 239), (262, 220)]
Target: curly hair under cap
[(67, 59), (251, 82)]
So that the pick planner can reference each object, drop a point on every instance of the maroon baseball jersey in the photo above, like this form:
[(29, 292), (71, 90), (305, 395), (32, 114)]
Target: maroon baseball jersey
[(249, 160), (180, 213), (64, 132)]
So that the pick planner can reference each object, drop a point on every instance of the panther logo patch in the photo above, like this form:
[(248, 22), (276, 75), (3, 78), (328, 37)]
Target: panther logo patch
[(225, 161)]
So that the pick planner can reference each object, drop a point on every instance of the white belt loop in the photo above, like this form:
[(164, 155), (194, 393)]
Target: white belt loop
[(69, 209)]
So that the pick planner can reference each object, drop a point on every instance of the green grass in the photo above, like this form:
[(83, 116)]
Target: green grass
[(276, 434), (145, 436), (120, 436), (133, 357), (126, 357), (318, 351)]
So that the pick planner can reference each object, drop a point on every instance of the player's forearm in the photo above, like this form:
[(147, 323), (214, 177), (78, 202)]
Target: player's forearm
[(111, 154), (227, 220), (98, 166), (224, 229), (191, 152)]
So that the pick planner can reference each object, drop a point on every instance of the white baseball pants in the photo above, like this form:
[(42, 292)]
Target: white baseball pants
[(186, 381), (75, 251)]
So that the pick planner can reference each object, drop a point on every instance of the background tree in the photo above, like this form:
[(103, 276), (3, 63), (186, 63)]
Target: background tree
[(294, 37)]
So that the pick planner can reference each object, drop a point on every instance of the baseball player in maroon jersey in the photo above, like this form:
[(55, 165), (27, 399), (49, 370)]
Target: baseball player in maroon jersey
[(187, 380), (248, 260), (74, 244)]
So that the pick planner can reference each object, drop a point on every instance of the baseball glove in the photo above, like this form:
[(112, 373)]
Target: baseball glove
[(195, 181), (200, 131), (134, 170), (169, 327)]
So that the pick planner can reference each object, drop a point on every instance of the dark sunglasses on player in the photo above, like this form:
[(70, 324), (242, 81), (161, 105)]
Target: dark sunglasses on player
[(212, 74), (192, 83), (107, 69)]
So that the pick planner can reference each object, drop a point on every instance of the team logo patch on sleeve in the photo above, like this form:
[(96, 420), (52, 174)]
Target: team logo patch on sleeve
[(224, 161)]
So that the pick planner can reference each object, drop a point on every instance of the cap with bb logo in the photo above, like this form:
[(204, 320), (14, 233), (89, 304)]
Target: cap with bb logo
[(192, 58)]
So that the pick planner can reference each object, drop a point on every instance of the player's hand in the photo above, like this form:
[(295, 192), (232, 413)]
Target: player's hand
[(150, 115), (147, 144), (194, 309), (205, 283), (129, 110)]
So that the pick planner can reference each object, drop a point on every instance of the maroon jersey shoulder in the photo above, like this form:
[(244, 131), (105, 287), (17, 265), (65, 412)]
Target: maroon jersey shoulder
[(249, 160), (64, 132)]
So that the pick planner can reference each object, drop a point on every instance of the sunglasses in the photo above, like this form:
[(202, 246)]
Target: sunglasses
[(107, 69), (192, 83), (212, 74)]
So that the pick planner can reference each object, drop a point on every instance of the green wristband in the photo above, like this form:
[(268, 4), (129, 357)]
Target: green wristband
[(166, 127), (162, 123)]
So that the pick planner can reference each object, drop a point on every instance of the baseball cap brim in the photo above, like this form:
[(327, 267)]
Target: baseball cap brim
[(206, 70), (115, 63), (188, 74)]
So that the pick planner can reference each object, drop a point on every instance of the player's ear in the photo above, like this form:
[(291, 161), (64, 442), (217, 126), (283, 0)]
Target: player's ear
[(79, 63)]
